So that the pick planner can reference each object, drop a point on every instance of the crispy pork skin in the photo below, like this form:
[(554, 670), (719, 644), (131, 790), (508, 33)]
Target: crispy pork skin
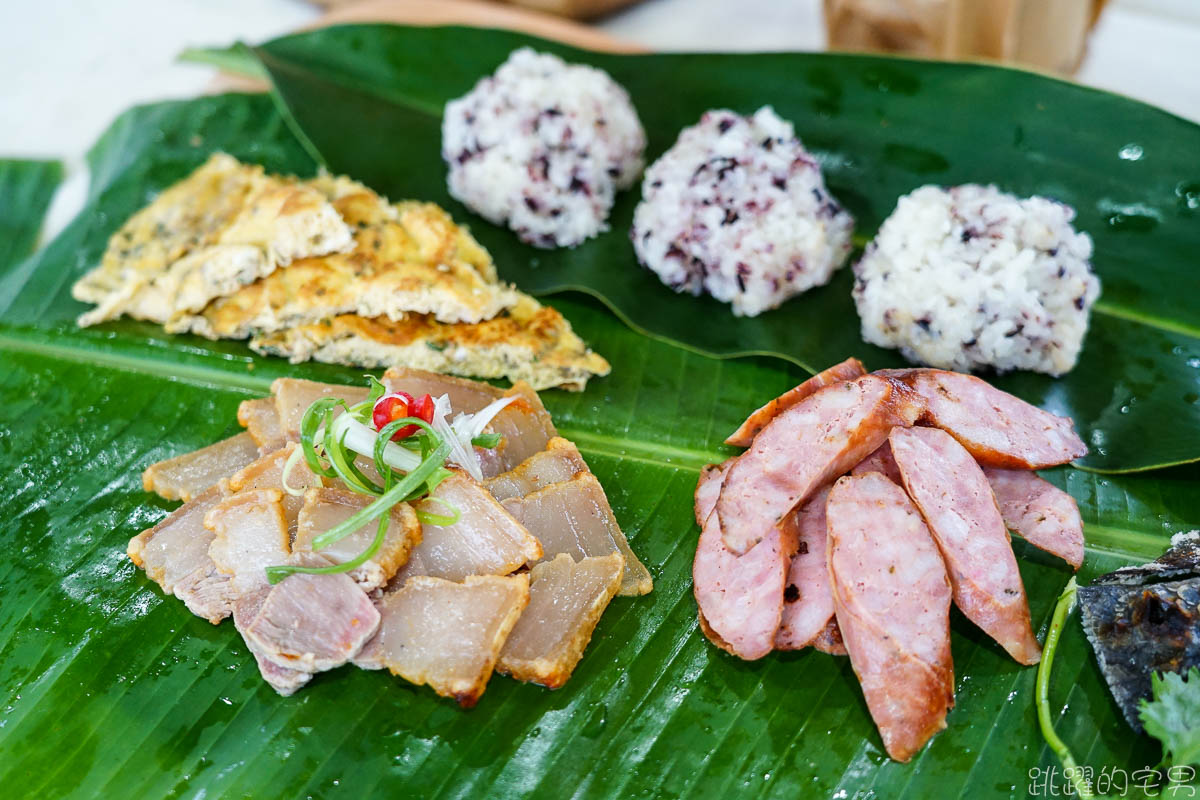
[(740, 597), (1044, 515), (560, 461), (325, 509), (249, 535), (186, 476), (998, 429), (893, 609), (957, 503), (574, 517), (566, 601), (805, 447), (486, 539), (447, 635), (848, 370), (807, 597)]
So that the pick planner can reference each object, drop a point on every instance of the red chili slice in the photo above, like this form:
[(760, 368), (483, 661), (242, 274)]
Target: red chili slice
[(398, 405)]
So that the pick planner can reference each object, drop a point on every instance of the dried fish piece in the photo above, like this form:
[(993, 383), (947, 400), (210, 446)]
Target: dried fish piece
[(566, 601), (486, 539), (326, 508), (574, 517), (447, 635), (560, 461), (1182, 560), (249, 535), (260, 418), (186, 476)]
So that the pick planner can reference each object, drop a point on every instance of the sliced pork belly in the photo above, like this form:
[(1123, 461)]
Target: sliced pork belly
[(267, 473), (953, 495), (293, 397), (186, 476), (486, 540), (560, 461), (848, 370), (260, 418), (447, 635), (805, 447), (893, 609), (740, 597), (249, 535), (325, 509), (881, 461), (283, 680), (566, 601), (312, 623), (807, 597), (465, 395), (574, 517), (174, 554), (998, 429), (1044, 515)]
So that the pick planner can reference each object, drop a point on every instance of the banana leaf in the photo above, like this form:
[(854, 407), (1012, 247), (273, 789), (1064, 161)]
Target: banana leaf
[(109, 689), (26, 188), (880, 127)]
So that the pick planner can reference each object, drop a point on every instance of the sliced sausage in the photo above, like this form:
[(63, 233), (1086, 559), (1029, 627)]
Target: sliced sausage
[(740, 597), (807, 598), (953, 495), (893, 609), (998, 429), (880, 461), (848, 370), (805, 447), (1043, 515)]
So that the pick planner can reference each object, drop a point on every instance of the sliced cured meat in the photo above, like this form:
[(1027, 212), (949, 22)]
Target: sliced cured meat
[(880, 461), (848, 370), (805, 447), (1044, 515), (186, 476), (283, 680), (708, 488), (893, 609), (465, 395), (486, 539), (249, 535), (998, 429), (953, 495), (560, 461), (740, 597), (325, 509), (566, 600), (574, 517), (260, 418), (447, 635), (807, 598), (267, 473), (293, 397), (829, 640)]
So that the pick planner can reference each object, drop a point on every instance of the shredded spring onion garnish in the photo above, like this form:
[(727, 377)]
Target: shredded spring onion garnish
[(411, 469), (1066, 602)]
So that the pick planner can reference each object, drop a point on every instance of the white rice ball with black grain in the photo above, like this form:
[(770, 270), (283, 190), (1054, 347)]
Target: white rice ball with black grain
[(972, 277), (543, 147), (738, 208)]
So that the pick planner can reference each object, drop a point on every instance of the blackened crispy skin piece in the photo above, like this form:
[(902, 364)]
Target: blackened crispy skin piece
[(1044, 515), (893, 609), (740, 597), (998, 429), (848, 370), (804, 448), (807, 598), (1181, 561), (953, 495)]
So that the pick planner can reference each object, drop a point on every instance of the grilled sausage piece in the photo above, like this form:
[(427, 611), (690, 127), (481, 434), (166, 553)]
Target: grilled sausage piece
[(893, 609), (1044, 515), (805, 447), (807, 598), (958, 505), (848, 370)]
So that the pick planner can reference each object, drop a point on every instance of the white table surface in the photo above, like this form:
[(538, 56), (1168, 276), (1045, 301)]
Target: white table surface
[(71, 66)]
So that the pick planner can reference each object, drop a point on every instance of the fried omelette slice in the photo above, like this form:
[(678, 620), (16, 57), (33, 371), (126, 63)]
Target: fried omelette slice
[(409, 258), (223, 227), (529, 342)]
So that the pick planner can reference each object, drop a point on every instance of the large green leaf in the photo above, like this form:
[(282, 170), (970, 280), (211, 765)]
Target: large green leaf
[(26, 188), (880, 127), (109, 689)]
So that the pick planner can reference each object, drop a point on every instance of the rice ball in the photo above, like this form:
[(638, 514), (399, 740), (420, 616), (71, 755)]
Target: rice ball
[(543, 147), (738, 208), (973, 277)]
